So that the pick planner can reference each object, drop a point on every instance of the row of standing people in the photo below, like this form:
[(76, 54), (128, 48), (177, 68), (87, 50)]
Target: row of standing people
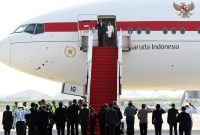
[(184, 118), (40, 120)]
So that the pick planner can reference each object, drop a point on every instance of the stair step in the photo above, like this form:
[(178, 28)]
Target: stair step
[(102, 69)]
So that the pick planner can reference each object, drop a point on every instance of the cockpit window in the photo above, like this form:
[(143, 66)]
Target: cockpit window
[(39, 29), (30, 29), (20, 29)]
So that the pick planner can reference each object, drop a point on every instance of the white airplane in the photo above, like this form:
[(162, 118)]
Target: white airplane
[(161, 43)]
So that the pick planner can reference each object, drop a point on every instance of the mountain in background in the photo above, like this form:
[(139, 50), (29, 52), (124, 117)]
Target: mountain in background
[(32, 95), (28, 95), (2, 97)]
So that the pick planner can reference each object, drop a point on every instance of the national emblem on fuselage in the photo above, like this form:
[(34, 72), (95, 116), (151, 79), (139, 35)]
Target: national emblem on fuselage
[(183, 9)]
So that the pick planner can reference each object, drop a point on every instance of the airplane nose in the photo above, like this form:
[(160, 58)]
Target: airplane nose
[(5, 51)]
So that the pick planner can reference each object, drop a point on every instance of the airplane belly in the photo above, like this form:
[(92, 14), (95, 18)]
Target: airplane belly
[(59, 61), (158, 66)]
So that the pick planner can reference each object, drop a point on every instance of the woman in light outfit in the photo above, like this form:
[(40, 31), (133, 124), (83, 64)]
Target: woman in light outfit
[(110, 33)]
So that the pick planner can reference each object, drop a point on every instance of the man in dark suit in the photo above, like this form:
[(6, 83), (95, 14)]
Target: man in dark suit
[(119, 116), (42, 120), (102, 119), (101, 31), (184, 120), (111, 120), (7, 120), (60, 119), (31, 120), (73, 116), (157, 119), (84, 115), (68, 122), (171, 119)]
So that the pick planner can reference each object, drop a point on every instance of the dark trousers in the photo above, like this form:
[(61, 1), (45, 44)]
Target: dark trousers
[(102, 129), (20, 128), (84, 128), (68, 128), (60, 128), (190, 127), (158, 129), (100, 39), (25, 130), (130, 125), (183, 128), (49, 130), (143, 128), (32, 131), (117, 129), (111, 129), (171, 127), (92, 130), (72, 127), (42, 131), (6, 131)]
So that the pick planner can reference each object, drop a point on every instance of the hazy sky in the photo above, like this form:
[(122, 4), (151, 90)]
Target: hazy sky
[(12, 14)]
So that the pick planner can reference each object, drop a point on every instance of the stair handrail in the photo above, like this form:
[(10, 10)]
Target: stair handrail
[(119, 67), (89, 64)]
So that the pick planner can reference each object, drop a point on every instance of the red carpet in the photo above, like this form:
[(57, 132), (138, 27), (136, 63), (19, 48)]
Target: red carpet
[(104, 76)]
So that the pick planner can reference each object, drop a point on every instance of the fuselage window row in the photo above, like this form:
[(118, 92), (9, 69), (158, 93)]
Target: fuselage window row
[(164, 30)]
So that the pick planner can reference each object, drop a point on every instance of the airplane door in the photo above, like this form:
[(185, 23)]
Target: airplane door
[(86, 22)]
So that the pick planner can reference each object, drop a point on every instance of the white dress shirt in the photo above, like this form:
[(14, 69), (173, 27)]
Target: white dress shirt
[(110, 31)]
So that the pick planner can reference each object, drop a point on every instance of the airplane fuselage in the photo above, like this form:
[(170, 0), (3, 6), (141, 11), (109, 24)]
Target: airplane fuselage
[(161, 53)]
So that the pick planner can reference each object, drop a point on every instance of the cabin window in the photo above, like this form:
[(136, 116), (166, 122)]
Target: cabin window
[(139, 30), (30, 29), (130, 30), (198, 30), (148, 30), (182, 30), (173, 30), (39, 29), (165, 30), (20, 29)]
